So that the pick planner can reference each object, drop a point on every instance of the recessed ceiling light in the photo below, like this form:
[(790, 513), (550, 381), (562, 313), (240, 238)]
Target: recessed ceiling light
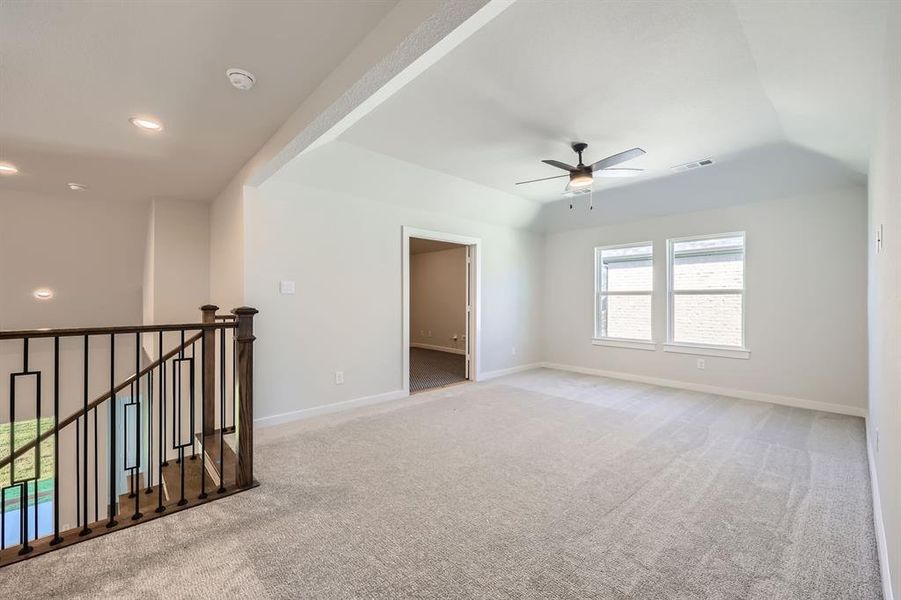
[(241, 79), (146, 123), (77, 187), (43, 294), (8, 168)]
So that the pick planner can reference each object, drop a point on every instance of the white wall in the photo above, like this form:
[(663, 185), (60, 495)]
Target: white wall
[(226, 259), (90, 253), (177, 280), (438, 299), (806, 303), (344, 252), (884, 423)]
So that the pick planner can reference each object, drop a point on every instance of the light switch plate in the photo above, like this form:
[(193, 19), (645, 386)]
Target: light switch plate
[(285, 287)]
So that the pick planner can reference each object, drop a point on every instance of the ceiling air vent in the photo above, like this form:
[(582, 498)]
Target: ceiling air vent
[(693, 165)]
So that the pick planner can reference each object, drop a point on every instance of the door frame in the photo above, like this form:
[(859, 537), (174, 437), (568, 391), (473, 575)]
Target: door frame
[(475, 285)]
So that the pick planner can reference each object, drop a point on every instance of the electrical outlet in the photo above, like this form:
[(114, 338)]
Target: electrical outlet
[(702, 364), (430, 333), (339, 377), (513, 351)]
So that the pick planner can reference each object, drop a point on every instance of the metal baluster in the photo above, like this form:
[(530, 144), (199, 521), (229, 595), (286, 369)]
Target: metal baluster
[(96, 467), (56, 539), (37, 450), (234, 373), (222, 397), (162, 422), (192, 438), (22, 485), (149, 489), (181, 448), (205, 348), (78, 473), (84, 456), (137, 398), (112, 431)]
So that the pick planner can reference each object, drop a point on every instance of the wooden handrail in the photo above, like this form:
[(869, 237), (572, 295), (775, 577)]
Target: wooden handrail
[(106, 395), (45, 333)]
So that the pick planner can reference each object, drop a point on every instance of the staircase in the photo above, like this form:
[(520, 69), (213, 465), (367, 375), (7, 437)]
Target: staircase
[(171, 429)]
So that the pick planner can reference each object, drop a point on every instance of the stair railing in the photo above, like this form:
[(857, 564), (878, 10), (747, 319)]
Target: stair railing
[(137, 438)]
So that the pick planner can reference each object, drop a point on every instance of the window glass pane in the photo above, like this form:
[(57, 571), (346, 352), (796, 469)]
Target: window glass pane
[(626, 317), (713, 319), (627, 269), (708, 264)]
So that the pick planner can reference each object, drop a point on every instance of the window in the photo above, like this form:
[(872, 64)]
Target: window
[(706, 294), (38, 489), (624, 284)]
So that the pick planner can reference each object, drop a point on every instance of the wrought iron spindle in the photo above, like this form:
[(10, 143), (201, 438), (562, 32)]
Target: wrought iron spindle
[(222, 396), (149, 488), (84, 450), (162, 423), (111, 522), (137, 399), (56, 538)]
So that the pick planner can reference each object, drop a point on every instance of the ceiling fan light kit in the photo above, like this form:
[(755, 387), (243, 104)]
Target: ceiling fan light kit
[(581, 177)]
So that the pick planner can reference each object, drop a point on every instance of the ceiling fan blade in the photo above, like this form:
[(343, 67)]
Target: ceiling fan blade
[(619, 172), (616, 159), (542, 179), (559, 165)]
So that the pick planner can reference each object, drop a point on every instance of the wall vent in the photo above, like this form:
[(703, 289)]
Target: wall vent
[(706, 162)]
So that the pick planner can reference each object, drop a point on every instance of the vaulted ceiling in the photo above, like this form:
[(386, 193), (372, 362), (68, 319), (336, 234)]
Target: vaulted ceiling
[(685, 80), (72, 73)]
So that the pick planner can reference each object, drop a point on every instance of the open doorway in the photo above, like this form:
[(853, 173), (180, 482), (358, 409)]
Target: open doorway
[(440, 317)]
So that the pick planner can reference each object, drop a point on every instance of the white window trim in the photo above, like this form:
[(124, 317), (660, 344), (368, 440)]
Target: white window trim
[(708, 349), (637, 344), (624, 343)]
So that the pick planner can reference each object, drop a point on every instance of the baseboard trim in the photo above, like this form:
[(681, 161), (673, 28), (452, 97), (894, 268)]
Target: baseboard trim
[(885, 570), (438, 348), (713, 389), (315, 411), (510, 371)]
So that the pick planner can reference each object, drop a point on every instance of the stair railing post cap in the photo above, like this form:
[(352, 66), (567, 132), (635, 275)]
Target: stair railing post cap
[(209, 307), (244, 311)]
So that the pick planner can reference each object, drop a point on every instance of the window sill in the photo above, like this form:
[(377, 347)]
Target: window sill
[(708, 351), (633, 344)]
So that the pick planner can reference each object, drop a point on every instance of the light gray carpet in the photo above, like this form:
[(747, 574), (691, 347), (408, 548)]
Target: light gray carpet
[(431, 369), (539, 485)]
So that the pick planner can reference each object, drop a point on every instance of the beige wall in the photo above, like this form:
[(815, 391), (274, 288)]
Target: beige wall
[(347, 314), (438, 299), (90, 253), (177, 280), (884, 423), (806, 300)]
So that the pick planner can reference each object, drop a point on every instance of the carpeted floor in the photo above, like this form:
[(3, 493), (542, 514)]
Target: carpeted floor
[(432, 369), (539, 485)]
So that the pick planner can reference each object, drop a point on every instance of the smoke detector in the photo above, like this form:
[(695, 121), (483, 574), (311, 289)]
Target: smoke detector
[(241, 79), (693, 165)]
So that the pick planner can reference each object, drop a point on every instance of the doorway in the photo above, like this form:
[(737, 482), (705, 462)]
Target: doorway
[(440, 297)]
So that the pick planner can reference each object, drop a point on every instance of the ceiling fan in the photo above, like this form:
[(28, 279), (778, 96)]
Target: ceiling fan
[(582, 176)]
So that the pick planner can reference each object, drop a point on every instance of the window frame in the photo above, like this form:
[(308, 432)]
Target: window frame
[(616, 342), (671, 345)]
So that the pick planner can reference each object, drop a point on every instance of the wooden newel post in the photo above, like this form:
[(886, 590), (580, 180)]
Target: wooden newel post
[(244, 341), (208, 345)]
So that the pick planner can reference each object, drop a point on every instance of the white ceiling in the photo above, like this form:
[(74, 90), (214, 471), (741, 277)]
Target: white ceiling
[(72, 73), (683, 80)]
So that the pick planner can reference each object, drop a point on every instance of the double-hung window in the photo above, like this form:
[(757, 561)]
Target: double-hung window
[(706, 281), (624, 286)]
